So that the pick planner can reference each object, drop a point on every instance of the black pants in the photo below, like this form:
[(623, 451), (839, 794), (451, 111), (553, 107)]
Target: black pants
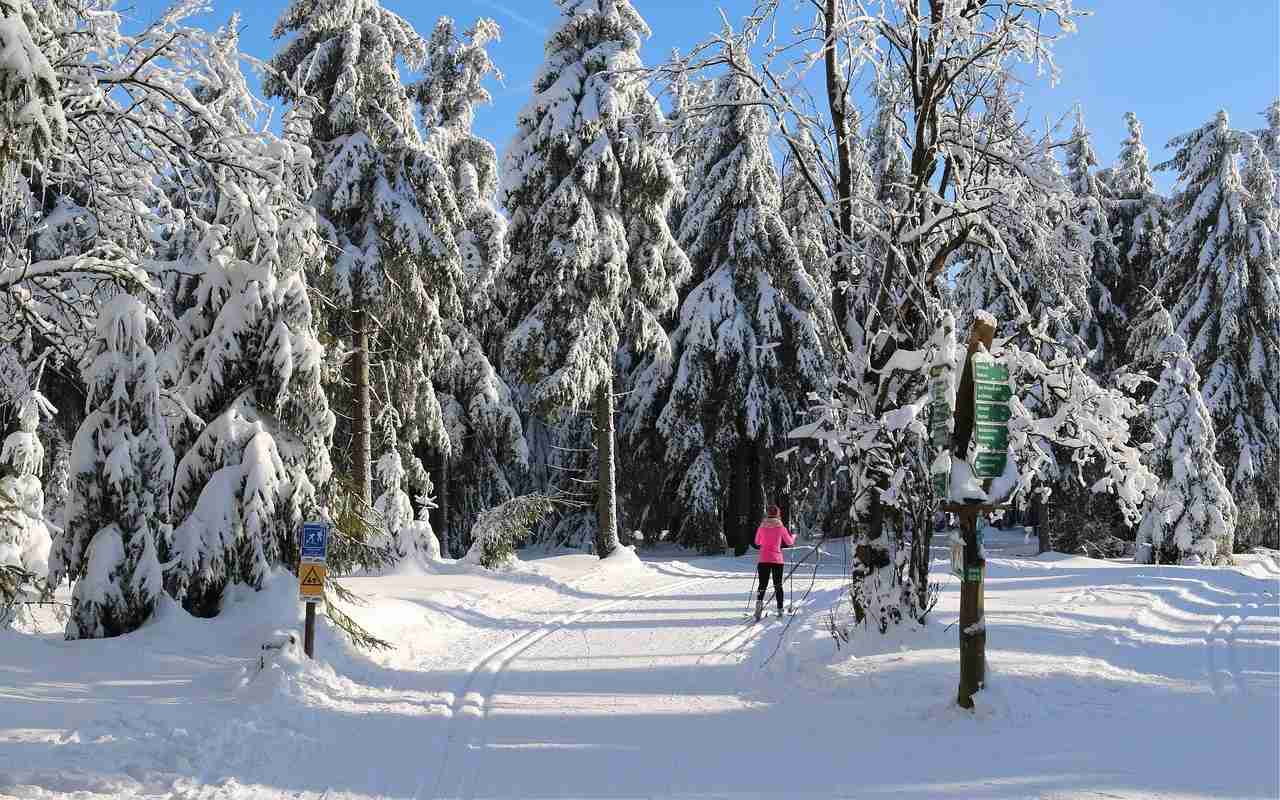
[(766, 571)]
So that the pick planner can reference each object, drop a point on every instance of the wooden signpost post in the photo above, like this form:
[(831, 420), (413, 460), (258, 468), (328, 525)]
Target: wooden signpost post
[(981, 413)]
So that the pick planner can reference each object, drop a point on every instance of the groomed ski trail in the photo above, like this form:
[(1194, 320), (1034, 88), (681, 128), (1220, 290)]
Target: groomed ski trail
[(458, 764), (562, 692)]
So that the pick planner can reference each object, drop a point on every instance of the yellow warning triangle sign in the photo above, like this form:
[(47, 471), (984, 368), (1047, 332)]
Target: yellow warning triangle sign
[(313, 576)]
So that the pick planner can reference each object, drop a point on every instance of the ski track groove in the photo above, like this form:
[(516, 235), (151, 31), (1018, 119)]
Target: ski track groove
[(1222, 635), (491, 666)]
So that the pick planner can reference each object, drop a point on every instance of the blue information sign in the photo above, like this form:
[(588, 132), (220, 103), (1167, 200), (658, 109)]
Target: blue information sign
[(315, 541)]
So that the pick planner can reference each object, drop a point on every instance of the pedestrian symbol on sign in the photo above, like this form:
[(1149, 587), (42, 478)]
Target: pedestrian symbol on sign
[(315, 541)]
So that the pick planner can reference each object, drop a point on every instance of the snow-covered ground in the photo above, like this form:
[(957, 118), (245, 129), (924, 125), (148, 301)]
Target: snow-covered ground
[(629, 679)]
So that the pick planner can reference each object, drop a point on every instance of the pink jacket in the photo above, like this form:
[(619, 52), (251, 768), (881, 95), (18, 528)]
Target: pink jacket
[(770, 537)]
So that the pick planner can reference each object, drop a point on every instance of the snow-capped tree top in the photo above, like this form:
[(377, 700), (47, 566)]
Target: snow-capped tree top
[(588, 81), (1081, 160), (456, 69), (619, 14), (1207, 168), (1131, 176), (588, 183), (344, 56)]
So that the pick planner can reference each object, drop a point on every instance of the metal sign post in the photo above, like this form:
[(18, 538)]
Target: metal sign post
[(312, 571)]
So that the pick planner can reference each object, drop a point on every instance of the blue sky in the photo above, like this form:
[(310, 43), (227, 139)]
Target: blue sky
[(1172, 62)]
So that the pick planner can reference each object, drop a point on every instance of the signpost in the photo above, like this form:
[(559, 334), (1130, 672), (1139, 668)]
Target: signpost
[(978, 416), (312, 571)]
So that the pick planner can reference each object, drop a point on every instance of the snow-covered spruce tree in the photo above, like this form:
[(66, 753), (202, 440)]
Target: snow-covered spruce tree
[(588, 183), (24, 534), (1107, 324), (748, 349), (254, 426), (386, 210), (1262, 210), (487, 446), (1192, 518), (121, 472), (1138, 222), (1221, 283)]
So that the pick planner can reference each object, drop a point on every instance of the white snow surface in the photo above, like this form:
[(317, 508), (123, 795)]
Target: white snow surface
[(637, 678)]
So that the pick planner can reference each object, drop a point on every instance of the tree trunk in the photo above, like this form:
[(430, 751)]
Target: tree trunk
[(607, 496), (440, 514), (361, 413), (760, 497), (1044, 544), (837, 103), (739, 499)]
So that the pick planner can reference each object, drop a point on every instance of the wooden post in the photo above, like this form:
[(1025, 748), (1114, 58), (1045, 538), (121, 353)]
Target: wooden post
[(973, 634), (309, 635)]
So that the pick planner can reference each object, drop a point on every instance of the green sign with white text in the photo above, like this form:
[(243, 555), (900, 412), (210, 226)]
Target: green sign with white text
[(991, 394)]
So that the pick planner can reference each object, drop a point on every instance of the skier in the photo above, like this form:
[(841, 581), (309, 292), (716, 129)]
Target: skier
[(770, 537)]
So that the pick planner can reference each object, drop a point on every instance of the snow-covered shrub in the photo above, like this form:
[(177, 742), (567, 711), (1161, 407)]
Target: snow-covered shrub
[(24, 535), (402, 534), (121, 474), (501, 529), (417, 540)]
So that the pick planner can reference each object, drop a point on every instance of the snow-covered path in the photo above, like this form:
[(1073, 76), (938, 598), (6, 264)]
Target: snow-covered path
[(575, 679), (605, 702)]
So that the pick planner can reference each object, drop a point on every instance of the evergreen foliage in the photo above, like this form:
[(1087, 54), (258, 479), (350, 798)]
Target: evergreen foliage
[(1192, 518), (748, 349), (1107, 321), (589, 184), (121, 473), (487, 446), (1221, 283)]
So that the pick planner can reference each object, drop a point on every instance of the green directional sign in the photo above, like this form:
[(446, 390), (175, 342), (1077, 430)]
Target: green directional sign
[(992, 436), (990, 370), (990, 463), (992, 392), (991, 412)]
